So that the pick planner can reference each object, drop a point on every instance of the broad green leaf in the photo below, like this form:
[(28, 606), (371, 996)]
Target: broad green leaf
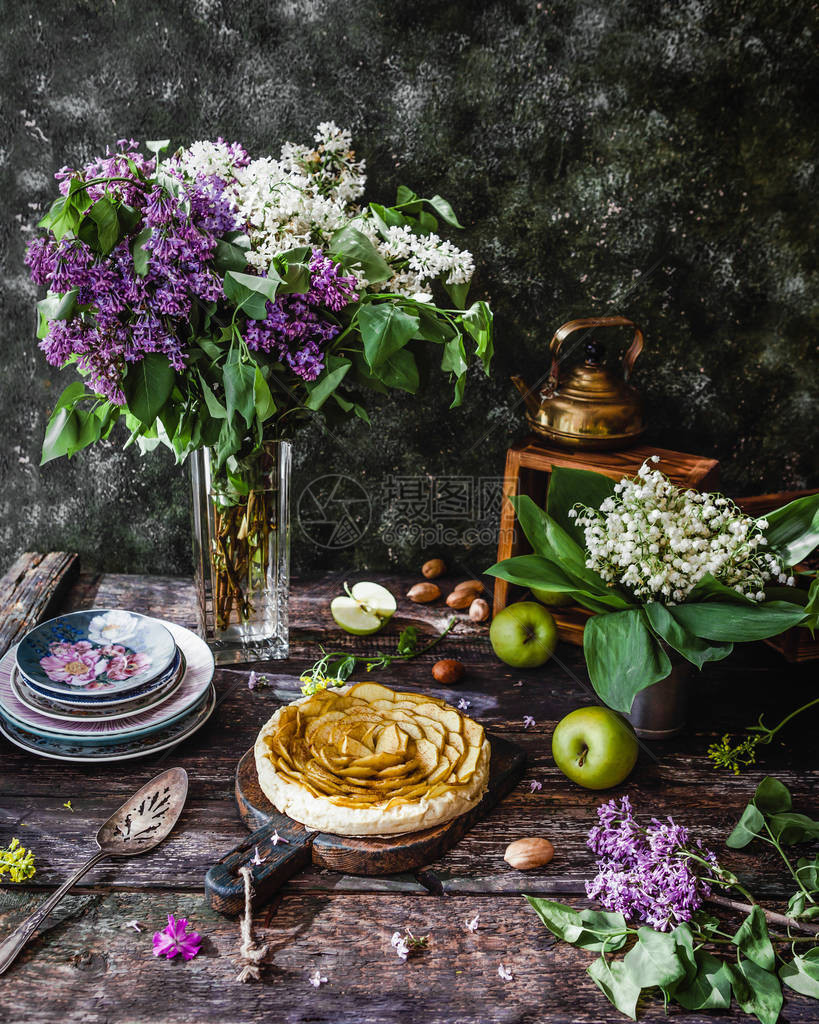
[(104, 215), (458, 294), (711, 987), (654, 960), (354, 251), (790, 828), (747, 828), (228, 256), (63, 426), (321, 389), (385, 330), (691, 647), (444, 210), (757, 991), (684, 941), (616, 984), (404, 196), (734, 623), (250, 293), (140, 254), (550, 540), (568, 487), (148, 385), (752, 938), (802, 973), (386, 217), (537, 572), (400, 371), (793, 530), (55, 307), (215, 407), (239, 380), (808, 871), (772, 796), (63, 217), (622, 657)]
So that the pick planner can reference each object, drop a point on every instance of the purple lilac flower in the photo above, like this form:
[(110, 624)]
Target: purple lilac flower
[(127, 314), (646, 873), (175, 938), (293, 329)]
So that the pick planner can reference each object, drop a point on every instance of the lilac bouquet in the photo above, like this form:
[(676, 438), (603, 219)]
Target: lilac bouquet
[(211, 300), (214, 301)]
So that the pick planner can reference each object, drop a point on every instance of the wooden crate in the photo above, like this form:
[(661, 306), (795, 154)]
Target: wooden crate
[(528, 466)]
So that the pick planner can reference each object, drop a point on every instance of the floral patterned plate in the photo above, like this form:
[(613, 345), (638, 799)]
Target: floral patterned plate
[(127, 704), (102, 649), (141, 746), (103, 698), (192, 690)]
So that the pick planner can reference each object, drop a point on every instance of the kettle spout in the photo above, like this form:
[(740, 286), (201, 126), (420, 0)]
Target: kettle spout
[(529, 396)]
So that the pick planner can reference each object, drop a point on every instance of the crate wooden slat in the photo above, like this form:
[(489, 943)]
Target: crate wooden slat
[(32, 591)]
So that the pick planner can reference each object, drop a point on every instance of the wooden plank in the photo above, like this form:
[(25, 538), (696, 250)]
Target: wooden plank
[(100, 969), (32, 590)]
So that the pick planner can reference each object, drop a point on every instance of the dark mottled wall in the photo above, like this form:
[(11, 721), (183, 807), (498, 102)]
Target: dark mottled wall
[(651, 158)]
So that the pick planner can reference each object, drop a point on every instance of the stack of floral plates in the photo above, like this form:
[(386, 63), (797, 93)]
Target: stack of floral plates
[(105, 685)]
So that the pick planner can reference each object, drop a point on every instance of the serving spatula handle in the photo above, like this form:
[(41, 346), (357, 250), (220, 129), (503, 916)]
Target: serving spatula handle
[(11, 946), (224, 886)]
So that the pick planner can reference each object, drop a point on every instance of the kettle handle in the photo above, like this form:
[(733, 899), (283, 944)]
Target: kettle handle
[(560, 335)]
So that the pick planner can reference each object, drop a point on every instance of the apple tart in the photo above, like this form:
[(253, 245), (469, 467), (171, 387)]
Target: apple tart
[(370, 761)]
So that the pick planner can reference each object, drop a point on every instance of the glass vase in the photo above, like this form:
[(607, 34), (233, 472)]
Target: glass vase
[(241, 541)]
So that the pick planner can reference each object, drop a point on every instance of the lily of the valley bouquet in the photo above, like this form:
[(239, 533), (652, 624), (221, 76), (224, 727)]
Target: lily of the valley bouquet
[(209, 299), (664, 570)]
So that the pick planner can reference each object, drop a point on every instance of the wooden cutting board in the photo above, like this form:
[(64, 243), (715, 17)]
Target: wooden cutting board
[(350, 855)]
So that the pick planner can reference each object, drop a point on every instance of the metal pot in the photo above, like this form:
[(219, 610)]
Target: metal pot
[(659, 711)]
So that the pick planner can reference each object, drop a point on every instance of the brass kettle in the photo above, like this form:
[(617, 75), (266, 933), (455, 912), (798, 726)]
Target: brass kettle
[(589, 408)]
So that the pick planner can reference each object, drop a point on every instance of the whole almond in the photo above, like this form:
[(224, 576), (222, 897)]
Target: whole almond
[(423, 593), (473, 587), (479, 610), (525, 854), (448, 671), (434, 568), (460, 599)]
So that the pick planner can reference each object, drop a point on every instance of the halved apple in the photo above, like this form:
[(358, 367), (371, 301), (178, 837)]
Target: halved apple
[(364, 609)]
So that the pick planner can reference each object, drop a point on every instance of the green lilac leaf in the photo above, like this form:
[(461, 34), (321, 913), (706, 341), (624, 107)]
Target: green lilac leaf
[(790, 828), (802, 973), (104, 215), (616, 984), (752, 938), (710, 988), (444, 210), (356, 252), (148, 385), (321, 389), (401, 371), (141, 255), (772, 796), (250, 293), (756, 990), (654, 960), (239, 382), (622, 657), (747, 828), (385, 330), (586, 929), (55, 307)]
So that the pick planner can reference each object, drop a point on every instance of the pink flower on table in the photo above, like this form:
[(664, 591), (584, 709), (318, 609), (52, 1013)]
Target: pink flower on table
[(177, 939), (76, 664), (123, 666)]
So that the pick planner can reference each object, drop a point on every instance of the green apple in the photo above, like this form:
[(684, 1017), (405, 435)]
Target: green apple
[(594, 747), (556, 598), (364, 609), (523, 635)]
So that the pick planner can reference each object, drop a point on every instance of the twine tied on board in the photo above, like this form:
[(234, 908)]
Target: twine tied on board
[(252, 954)]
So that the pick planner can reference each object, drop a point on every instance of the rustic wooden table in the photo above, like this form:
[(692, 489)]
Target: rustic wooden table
[(89, 965)]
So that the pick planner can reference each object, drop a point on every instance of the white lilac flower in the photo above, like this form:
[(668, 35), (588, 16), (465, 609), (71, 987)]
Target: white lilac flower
[(463, 704), (535, 786), (275, 839), (400, 944), (659, 541), (528, 721), (472, 924), (504, 973), (316, 979)]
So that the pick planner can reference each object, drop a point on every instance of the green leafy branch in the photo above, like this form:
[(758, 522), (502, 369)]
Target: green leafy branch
[(334, 668)]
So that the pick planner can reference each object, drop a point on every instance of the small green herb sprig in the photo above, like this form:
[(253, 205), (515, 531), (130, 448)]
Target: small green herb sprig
[(334, 668), (735, 756), (17, 862), (679, 962)]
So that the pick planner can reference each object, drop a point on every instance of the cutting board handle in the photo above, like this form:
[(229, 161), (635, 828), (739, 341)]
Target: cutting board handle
[(225, 887)]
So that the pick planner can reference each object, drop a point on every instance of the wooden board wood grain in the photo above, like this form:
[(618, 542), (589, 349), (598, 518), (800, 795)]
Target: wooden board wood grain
[(286, 846)]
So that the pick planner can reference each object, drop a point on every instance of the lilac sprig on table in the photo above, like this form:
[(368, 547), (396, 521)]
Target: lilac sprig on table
[(654, 881)]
